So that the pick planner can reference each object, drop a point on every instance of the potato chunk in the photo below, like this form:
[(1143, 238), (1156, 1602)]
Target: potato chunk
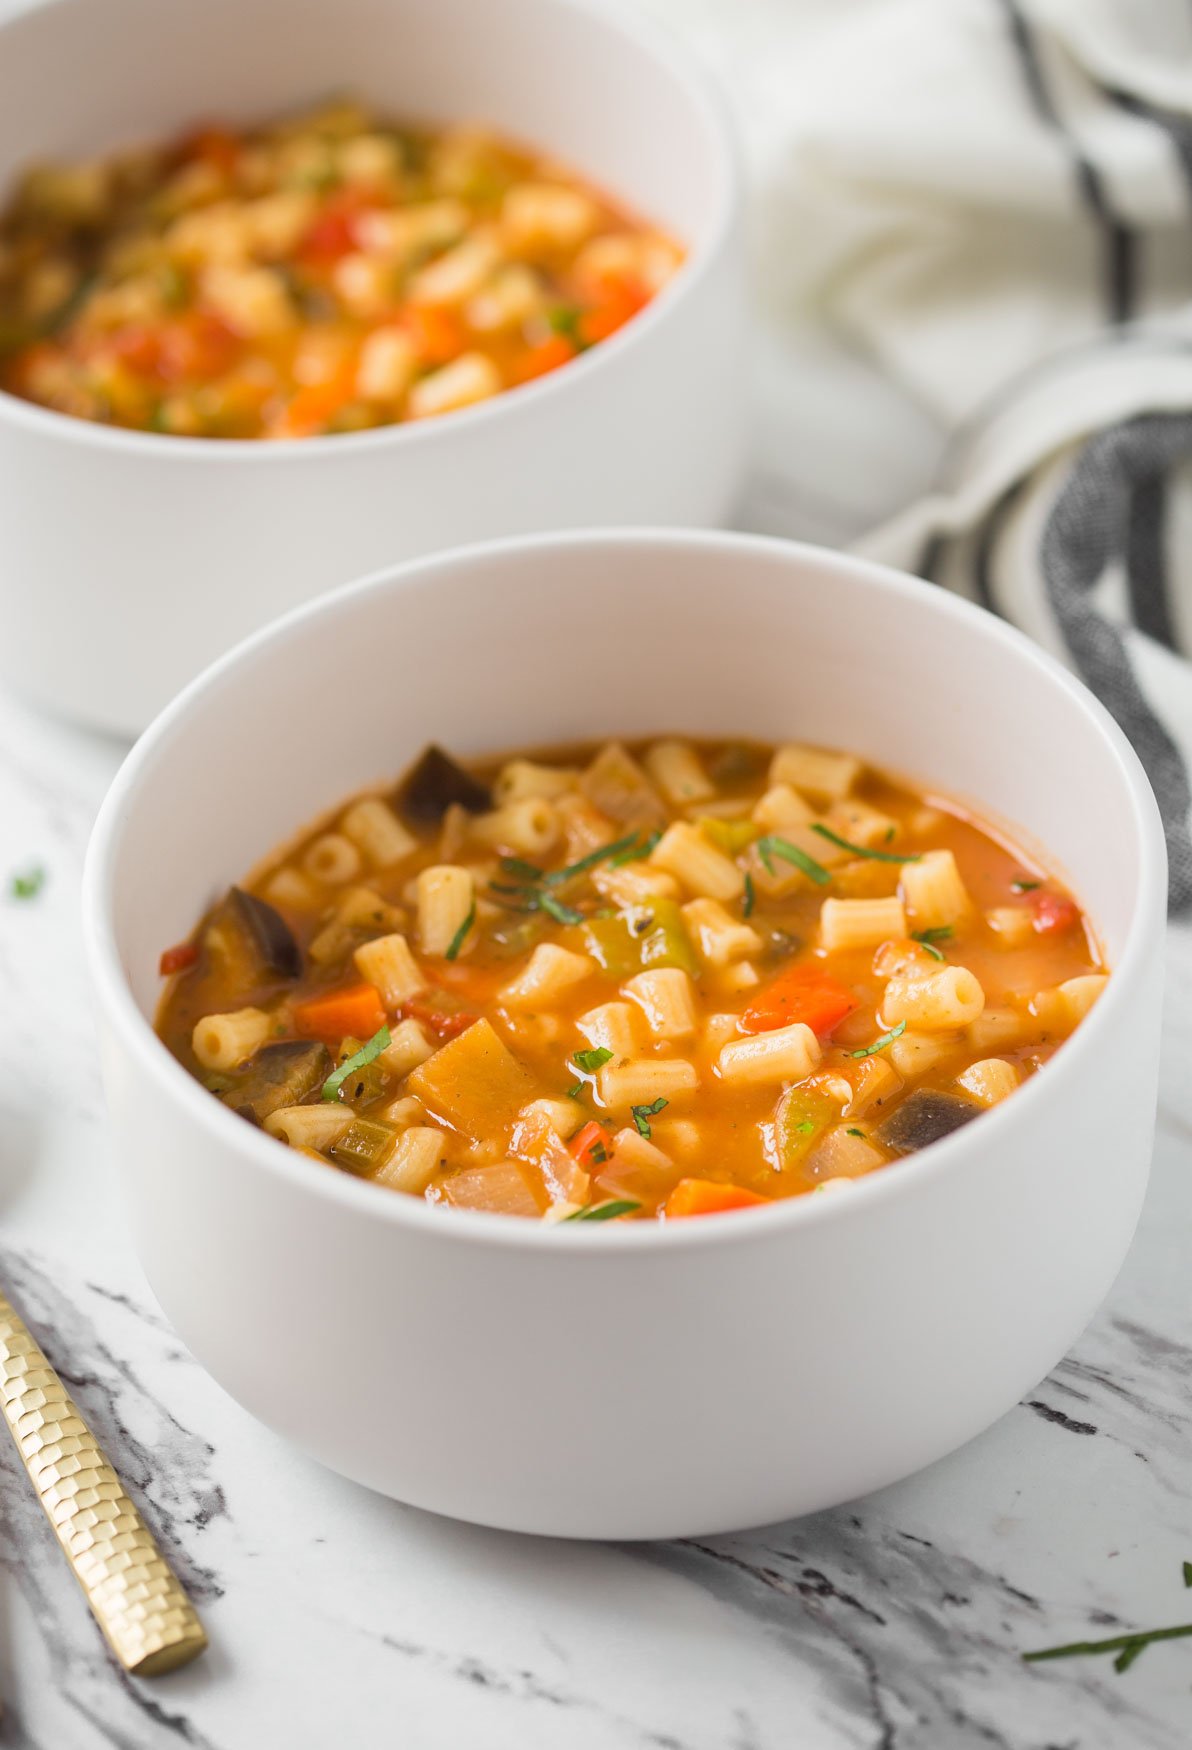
[(474, 1083)]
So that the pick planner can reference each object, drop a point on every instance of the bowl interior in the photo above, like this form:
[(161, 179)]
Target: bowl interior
[(607, 96), (574, 637)]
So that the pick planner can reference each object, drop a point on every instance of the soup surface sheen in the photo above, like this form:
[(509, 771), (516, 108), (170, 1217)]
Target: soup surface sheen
[(618, 983), (330, 273)]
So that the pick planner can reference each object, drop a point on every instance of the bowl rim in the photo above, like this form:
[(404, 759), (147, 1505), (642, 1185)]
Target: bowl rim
[(672, 58), (998, 1127)]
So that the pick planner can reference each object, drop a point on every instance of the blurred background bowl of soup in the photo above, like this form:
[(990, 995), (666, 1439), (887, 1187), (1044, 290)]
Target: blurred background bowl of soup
[(130, 558), (635, 1379)]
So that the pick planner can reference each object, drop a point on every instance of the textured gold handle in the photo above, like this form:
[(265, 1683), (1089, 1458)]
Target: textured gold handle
[(138, 1602)]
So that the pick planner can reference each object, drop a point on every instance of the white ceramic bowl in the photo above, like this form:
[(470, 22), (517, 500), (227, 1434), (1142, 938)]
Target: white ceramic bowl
[(128, 561), (640, 1380)]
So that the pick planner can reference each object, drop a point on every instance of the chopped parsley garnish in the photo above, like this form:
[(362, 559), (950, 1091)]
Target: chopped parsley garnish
[(642, 1115), (563, 914), (880, 1044), (1024, 886), (604, 1211), (565, 319), (590, 1061), (605, 853), (1188, 1573), (825, 832), (806, 1128), (598, 1153), (524, 871), (750, 898), (457, 941), (772, 846), (635, 853), (938, 933), (358, 1059), (575, 1090), (28, 884), (853, 1131)]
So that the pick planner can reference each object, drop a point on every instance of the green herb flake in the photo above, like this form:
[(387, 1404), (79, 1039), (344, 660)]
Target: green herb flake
[(598, 1153), (1188, 1573), (358, 1059), (575, 1090), (636, 853), (834, 838), (750, 898), (1024, 886), (853, 1131), (457, 941), (590, 1061), (27, 884), (938, 933), (772, 846), (604, 854), (565, 319), (522, 870), (806, 1128), (604, 1211), (1127, 1647), (880, 1044), (562, 914), (642, 1115)]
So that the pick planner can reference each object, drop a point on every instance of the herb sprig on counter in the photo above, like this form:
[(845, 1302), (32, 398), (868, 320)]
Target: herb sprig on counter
[(1127, 1647)]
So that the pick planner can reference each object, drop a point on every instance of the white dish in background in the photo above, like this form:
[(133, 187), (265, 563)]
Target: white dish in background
[(129, 560), (631, 1380)]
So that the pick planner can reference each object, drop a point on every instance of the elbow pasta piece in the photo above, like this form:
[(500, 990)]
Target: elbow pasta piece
[(470, 378), (538, 218), (635, 1154), (641, 1081), (933, 892), (408, 1047), (563, 1116), (225, 1041), (528, 827), (989, 1081), (456, 276), (1079, 995), (860, 923), (861, 824), (551, 972), (416, 1157), (741, 976), (404, 1111), (994, 1029), (719, 937), (666, 998), (914, 1054), (389, 964), (786, 1054), (376, 831), (332, 859), (1012, 924), (289, 888), (612, 1027), (316, 1127), (634, 884), (704, 871), (824, 777), (936, 1002), (782, 810), (519, 779), (446, 900), (718, 1030), (675, 768)]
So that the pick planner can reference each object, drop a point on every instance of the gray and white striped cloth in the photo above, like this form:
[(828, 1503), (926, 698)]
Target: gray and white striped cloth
[(992, 201)]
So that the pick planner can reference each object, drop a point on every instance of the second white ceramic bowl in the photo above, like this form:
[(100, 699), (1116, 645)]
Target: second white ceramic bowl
[(128, 560), (634, 1380)]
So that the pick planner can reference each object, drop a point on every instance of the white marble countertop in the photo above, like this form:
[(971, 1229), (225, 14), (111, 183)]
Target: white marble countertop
[(337, 1617)]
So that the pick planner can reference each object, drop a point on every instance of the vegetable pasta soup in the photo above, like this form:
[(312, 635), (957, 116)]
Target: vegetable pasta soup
[(619, 983), (327, 273)]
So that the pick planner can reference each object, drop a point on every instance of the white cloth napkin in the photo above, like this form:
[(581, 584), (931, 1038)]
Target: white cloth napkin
[(991, 200)]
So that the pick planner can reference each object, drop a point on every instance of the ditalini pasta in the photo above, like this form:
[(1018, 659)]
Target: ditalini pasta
[(323, 273), (662, 979)]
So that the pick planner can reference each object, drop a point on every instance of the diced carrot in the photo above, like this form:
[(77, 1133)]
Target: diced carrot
[(437, 332), (178, 958), (707, 1197), (355, 1009), (1053, 913), (138, 347), (195, 347), (592, 1146), (538, 360), (310, 408), (622, 300), (802, 993), (332, 233)]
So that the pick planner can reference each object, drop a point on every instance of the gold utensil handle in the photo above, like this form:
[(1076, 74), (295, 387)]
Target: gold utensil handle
[(137, 1600)]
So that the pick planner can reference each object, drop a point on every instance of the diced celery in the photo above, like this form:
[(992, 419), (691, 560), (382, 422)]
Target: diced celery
[(803, 1116), (364, 1145), (729, 836), (653, 934)]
